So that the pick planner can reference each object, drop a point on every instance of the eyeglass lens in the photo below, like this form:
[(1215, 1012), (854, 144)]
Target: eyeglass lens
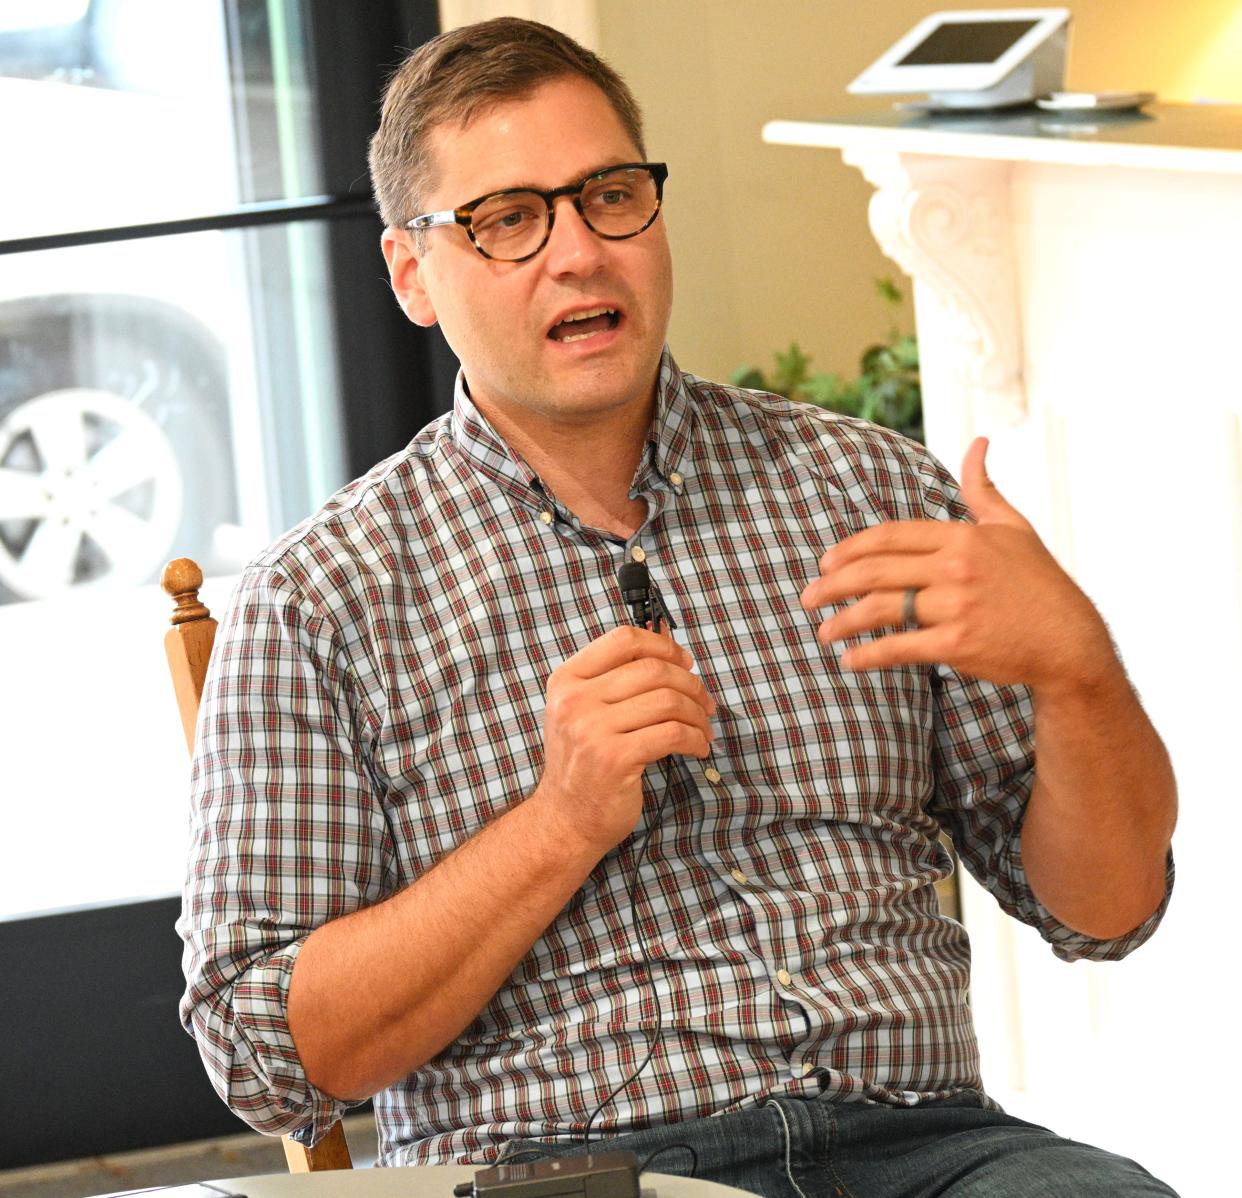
[(614, 204)]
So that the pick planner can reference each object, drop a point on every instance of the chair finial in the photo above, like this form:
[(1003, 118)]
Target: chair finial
[(181, 579)]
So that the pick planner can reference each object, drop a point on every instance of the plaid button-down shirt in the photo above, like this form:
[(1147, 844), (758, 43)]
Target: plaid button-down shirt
[(376, 697)]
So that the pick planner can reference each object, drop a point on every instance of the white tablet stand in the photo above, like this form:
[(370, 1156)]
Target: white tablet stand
[(982, 58)]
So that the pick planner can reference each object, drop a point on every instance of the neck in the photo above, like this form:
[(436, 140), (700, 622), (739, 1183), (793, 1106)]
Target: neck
[(589, 465)]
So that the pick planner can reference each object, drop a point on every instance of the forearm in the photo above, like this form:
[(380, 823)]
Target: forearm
[(1100, 820), (377, 993)]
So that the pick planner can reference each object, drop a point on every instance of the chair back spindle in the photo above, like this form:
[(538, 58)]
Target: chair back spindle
[(188, 642)]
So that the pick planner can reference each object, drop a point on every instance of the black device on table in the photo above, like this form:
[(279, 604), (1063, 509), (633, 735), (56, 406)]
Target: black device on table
[(595, 1175)]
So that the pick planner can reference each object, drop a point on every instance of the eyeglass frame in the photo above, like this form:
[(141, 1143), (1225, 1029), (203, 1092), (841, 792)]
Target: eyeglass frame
[(463, 214)]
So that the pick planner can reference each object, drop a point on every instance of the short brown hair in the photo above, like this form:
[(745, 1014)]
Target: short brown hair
[(455, 77)]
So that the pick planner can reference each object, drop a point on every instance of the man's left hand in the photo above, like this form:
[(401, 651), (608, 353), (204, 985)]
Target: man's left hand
[(991, 600)]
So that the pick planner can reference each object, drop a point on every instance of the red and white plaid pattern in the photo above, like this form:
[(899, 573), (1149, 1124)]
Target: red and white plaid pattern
[(376, 697)]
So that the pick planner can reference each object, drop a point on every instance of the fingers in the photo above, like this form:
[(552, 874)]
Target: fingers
[(624, 701), (975, 480), (628, 661), (650, 674), (928, 642), (901, 648), (981, 493), (651, 691), (667, 739), (875, 572), (655, 707), (624, 644), (892, 536), (985, 591), (930, 536), (882, 609), (978, 489), (629, 680)]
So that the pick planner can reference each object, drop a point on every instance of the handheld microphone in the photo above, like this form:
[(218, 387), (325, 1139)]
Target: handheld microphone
[(635, 583), (643, 598)]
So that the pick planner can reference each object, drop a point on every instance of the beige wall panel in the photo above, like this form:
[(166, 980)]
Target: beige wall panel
[(574, 17), (772, 243), (1186, 51)]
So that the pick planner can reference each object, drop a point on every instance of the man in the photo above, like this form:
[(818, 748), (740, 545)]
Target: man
[(466, 842)]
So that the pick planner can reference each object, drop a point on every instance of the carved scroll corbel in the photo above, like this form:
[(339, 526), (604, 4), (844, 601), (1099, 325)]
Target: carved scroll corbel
[(946, 223)]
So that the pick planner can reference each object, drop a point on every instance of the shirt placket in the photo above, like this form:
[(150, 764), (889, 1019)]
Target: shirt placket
[(711, 780)]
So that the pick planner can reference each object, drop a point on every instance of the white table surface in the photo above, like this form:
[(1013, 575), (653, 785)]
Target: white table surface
[(431, 1181)]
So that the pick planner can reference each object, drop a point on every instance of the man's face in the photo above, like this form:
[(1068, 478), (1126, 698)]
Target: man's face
[(500, 317)]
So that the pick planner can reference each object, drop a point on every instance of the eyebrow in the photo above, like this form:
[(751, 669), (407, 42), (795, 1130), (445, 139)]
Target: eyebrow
[(595, 170)]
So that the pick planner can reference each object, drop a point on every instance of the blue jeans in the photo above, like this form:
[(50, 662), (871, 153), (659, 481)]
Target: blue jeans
[(815, 1148)]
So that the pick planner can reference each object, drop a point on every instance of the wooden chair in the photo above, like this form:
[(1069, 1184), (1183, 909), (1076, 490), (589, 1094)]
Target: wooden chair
[(188, 645)]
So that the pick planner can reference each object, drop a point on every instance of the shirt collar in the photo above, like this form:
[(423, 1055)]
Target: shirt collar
[(483, 447), (669, 440), (672, 432)]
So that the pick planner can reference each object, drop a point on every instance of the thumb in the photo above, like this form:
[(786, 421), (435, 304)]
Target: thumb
[(980, 492)]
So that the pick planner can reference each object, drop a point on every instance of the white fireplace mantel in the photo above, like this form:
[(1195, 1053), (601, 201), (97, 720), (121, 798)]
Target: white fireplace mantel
[(947, 210), (1078, 296)]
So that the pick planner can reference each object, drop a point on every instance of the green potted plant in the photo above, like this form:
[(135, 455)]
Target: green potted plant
[(887, 390)]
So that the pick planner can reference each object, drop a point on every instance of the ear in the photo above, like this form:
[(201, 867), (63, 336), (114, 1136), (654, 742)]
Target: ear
[(405, 275)]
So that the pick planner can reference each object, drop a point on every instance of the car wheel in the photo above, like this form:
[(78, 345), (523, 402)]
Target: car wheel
[(110, 460)]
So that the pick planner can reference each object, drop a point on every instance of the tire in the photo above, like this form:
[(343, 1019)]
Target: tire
[(115, 451)]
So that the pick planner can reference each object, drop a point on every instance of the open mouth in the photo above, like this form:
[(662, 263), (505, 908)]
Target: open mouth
[(580, 325)]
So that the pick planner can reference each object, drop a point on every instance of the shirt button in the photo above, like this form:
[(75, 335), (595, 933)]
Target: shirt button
[(783, 976), (712, 774), (805, 1068), (638, 554), (675, 479), (737, 876), (546, 517)]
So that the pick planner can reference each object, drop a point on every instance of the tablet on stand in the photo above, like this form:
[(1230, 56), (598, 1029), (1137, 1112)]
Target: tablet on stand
[(974, 59)]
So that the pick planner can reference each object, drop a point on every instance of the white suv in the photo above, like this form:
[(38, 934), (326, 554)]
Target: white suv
[(123, 394)]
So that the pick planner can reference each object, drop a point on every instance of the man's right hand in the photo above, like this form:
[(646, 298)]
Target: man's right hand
[(625, 700)]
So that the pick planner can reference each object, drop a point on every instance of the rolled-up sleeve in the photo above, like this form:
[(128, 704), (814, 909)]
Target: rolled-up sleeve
[(984, 765), (286, 834), (985, 772)]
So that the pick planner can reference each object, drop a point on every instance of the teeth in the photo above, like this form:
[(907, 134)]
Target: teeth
[(578, 316)]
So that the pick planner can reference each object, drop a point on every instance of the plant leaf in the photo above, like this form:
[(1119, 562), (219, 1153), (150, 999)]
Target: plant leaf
[(791, 370), (888, 290), (906, 351), (750, 377)]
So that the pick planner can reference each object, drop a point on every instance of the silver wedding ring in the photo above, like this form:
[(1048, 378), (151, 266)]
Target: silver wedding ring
[(908, 614)]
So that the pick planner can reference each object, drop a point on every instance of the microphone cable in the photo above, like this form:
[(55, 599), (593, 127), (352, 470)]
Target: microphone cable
[(645, 961), (646, 605)]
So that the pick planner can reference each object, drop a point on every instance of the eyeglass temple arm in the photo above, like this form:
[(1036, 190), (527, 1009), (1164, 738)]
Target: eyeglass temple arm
[(429, 220)]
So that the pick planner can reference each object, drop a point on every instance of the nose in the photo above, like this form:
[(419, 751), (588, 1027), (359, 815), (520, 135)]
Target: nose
[(572, 247)]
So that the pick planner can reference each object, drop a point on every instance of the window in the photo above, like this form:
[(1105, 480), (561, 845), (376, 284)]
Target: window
[(197, 345), (183, 257)]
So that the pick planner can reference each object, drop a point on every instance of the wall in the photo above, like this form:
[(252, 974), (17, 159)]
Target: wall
[(772, 243)]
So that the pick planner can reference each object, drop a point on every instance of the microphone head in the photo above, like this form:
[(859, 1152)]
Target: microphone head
[(634, 581)]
